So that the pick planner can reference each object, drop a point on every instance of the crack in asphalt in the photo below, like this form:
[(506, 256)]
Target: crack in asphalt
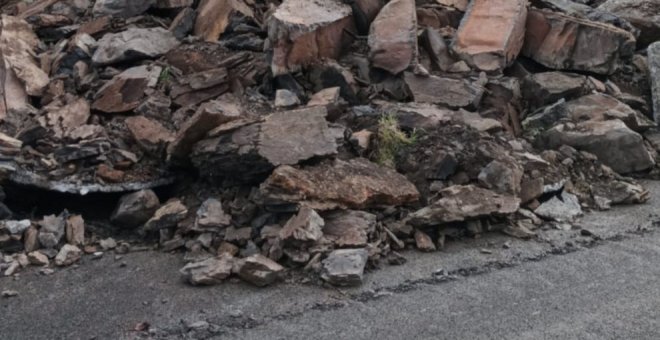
[(229, 324)]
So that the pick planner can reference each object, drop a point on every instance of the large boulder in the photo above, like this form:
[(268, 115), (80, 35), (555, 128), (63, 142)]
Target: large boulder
[(492, 33), (616, 145), (567, 43), (354, 184)]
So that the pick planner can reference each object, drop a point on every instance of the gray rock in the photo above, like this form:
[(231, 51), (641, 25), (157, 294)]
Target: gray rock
[(286, 98), (108, 243), (121, 8), (305, 227), (643, 14), (208, 272), (259, 270), (544, 88), (132, 44), (68, 255), (211, 216), (135, 209), (167, 216), (345, 267), (502, 176), (654, 76), (560, 208), (52, 230), (617, 146), (432, 90), (17, 227)]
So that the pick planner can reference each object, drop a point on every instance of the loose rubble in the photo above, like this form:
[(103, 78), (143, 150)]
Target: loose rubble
[(268, 139)]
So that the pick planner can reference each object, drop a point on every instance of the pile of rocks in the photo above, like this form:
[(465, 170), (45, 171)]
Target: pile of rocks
[(323, 135)]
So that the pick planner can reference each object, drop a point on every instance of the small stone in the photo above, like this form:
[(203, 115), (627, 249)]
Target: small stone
[(75, 230), (9, 293), (259, 270), (68, 255), (238, 235), (17, 227), (345, 267), (38, 259), (560, 208), (211, 216), (108, 244), (227, 248), (52, 230), (135, 209), (305, 227), (167, 216), (132, 44), (208, 272), (286, 99), (424, 241)]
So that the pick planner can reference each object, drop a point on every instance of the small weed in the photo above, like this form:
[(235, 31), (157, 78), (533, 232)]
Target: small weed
[(164, 76), (392, 140)]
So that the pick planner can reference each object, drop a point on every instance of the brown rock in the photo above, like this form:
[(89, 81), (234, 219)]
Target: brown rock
[(17, 47), (169, 4), (492, 33), (502, 175), (213, 17), (567, 43), (183, 23), (643, 14), (599, 107), (68, 255), (132, 44), (227, 248), (38, 258), (326, 97), (349, 228), (393, 37), (545, 88), (302, 32), (207, 117), (531, 190), (147, 132), (259, 270), (459, 203), (109, 174), (167, 216), (438, 50), (75, 230), (451, 92), (424, 241), (238, 235), (354, 184), (126, 90), (63, 117), (31, 239), (211, 216)]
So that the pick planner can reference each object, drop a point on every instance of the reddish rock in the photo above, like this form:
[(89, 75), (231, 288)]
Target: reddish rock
[(109, 174), (147, 132), (354, 184), (349, 228), (213, 17), (125, 91), (424, 241), (75, 230), (451, 92), (304, 227), (568, 43), (302, 32), (492, 33), (393, 37)]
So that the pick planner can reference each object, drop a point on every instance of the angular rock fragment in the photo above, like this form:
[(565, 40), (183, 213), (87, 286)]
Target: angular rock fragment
[(304, 228), (259, 270), (68, 255), (17, 48), (620, 192), (286, 99), (38, 258), (503, 176), (561, 208), (462, 202), (545, 88), (354, 184), (132, 44), (167, 216), (208, 272), (643, 14), (393, 37), (349, 228), (599, 107), (423, 241), (16, 227), (455, 93), (52, 230), (121, 8), (251, 151), (135, 209), (567, 43), (125, 91), (345, 267), (492, 33), (183, 23), (211, 216), (654, 77), (149, 133), (213, 17), (612, 141), (75, 230), (437, 49), (302, 32), (208, 116), (31, 239)]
